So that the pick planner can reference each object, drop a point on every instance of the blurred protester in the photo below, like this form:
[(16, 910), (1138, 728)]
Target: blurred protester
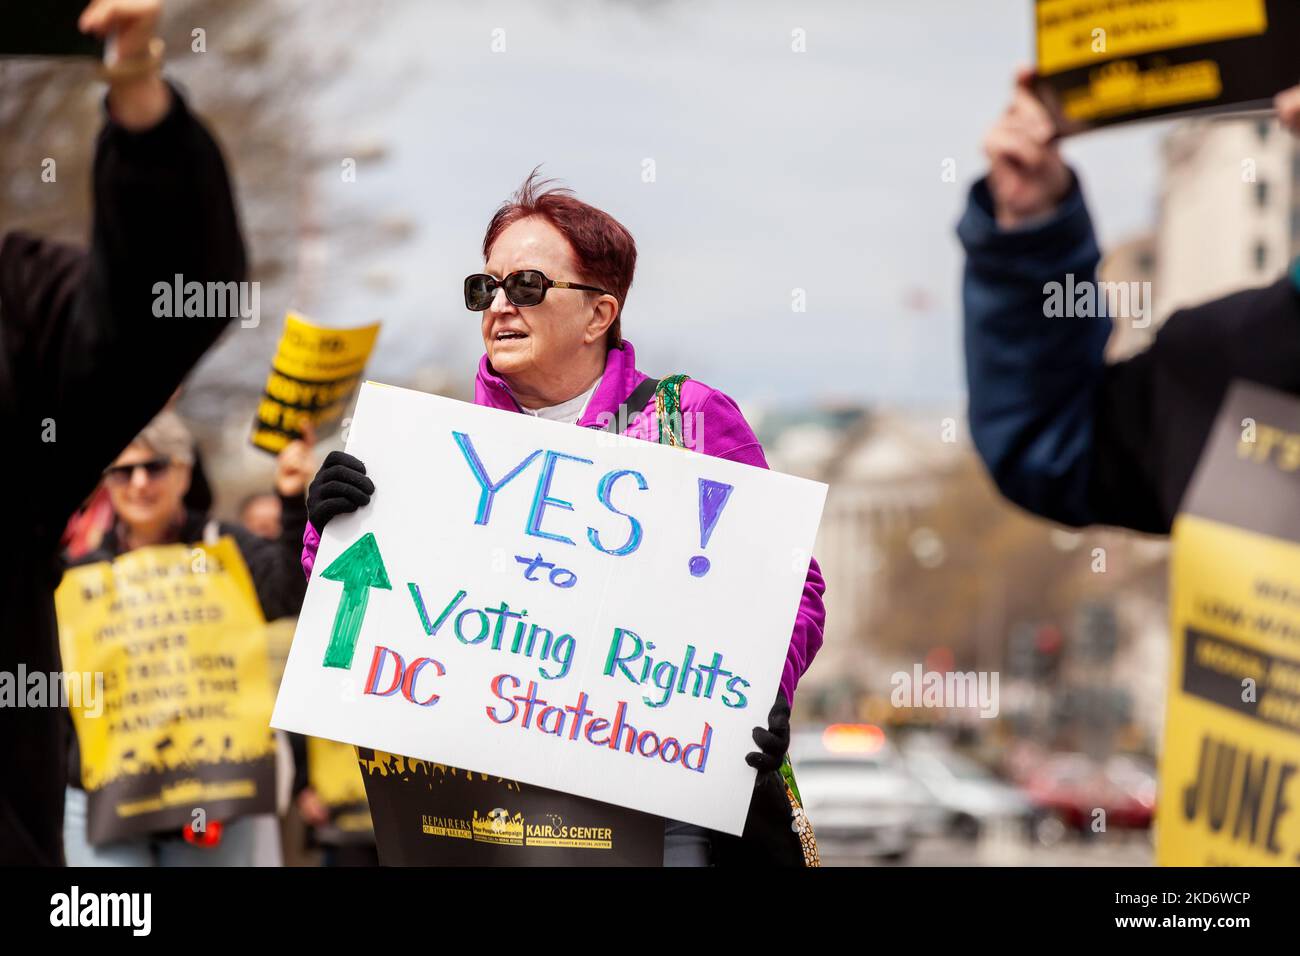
[(85, 363), (1064, 434), (260, 513), (88, 524), (147, 484), (339, 847), (556, 278)]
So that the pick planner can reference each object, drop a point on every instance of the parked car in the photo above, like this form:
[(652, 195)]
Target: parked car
[(1069, 789), (857, 791), (967, 797)]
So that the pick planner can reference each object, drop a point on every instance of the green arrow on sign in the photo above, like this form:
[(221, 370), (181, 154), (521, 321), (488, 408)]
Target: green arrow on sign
[(360, 568)]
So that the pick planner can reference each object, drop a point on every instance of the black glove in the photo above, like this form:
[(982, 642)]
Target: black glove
[(339, 488), (775, 740)]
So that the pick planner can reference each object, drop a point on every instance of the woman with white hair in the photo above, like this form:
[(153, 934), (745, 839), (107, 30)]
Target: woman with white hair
[(146, 485)]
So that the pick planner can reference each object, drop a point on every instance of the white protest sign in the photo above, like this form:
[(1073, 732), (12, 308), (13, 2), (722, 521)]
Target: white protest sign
[(557, 605)]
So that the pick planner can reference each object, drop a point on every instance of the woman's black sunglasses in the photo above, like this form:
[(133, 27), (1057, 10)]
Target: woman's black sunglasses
[(121, 474), (523, 288)]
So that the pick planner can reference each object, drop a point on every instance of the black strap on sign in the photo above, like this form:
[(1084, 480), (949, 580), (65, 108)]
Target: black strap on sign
[(638, 400)]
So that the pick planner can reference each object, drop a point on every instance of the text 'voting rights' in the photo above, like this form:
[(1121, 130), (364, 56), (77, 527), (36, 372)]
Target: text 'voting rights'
[(361, 568)]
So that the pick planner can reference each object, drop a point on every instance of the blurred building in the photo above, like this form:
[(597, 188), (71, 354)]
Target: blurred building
[(926, 564), (885, 471), (1228, 214), (1229, 219)]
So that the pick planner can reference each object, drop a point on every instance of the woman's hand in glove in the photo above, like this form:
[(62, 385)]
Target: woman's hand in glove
[(340, 487), (774, 741)]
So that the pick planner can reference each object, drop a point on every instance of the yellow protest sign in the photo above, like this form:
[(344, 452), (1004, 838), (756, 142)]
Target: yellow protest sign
[(333, 773), (1110, 61), (183, 722), (279, 637), (1230, 767), (313, 376), (1074, 33)]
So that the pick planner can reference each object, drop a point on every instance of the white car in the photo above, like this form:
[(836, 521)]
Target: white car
[(967, 797), (856, 791)]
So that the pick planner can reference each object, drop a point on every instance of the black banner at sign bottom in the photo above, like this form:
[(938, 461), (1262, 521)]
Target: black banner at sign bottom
[(428, 814), (154, 800)]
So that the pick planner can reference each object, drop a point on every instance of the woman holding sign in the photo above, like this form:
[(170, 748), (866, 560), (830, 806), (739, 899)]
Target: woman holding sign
[(551, 297), (158, 644)]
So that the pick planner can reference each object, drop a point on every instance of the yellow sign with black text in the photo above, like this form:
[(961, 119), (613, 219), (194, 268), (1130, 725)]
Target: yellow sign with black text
[(1075, 33), (1230, 766), (1110, 61), (333, 773), (315, 373), (182, 723)]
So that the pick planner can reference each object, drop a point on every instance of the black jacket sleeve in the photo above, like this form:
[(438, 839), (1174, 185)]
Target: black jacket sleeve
[(1155, 410), (1032, 377), (84, 364), (90, 362), (274, 564)]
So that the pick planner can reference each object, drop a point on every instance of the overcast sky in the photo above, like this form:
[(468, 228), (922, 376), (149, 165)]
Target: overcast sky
[(774, 170)]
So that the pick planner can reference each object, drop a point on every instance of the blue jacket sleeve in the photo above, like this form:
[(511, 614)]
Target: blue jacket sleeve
[(1033, 378)]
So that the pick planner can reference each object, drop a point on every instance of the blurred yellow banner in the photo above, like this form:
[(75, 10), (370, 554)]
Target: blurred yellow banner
[(183, 720), (1230, 767), (1074, 33), (333, 772), (314, 375)]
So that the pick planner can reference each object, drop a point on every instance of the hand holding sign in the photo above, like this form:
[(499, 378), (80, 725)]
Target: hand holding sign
[(294, 464), (340, 487), (132, 23), (137, 97), (774, 739), (1027, 177)]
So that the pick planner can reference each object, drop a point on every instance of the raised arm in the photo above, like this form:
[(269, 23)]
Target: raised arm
[(93, 360), (1033, 377), (273, 564)]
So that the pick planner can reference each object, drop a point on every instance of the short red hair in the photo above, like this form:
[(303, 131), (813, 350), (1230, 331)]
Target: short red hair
[(604, 250)]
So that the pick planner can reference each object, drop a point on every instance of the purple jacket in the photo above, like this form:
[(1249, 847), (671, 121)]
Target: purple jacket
[(724, 434)]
